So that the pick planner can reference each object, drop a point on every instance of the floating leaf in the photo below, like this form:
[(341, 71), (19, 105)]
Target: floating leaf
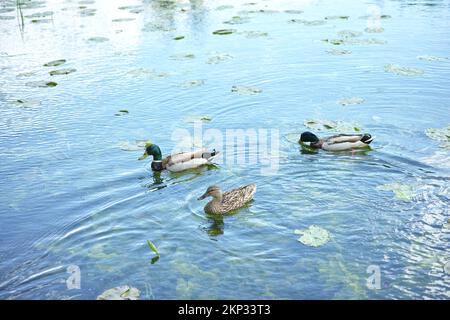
[(308, 22), (337, 52), (253, 34), (432, 58), (192, 119), (184, 56), (245, 89), (61, 72), (224, 31), (123, 19), (330, 125), (335, 42), (122, 112), (178, 38), (403, 71), (39, 14), (55, 63), (120, 293), (349, 33), (293, 11), (440, 134), (136, 145), (150, 73), (374, 30), (350, 101), (237, 20), (219, 57), (401, 191), (41, 84), (98, 39), (153, 247), (314, 236), (337, 17), (224, 7)]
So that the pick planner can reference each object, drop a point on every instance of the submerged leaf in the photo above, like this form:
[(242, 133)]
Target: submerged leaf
[(245, 90), (401, 191), (120, 293), (440, 134), (403, 71), (314, 236), (62, 71)]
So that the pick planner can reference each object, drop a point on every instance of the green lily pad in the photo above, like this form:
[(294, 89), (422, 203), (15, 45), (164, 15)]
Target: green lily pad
[(403, 71), (337, 52), (337, 17), (432, 58), (330, 125), (245, 89), (98, 39), (62, 72), (440, 134), (182, 56), (219, 58), (178, 38), (224, 31), (237, 20), (350, 101), (41, 84), (292, 11), (120, 293), (402, 191), (55, 63), (314, 236), (192, 119), (122, 112)]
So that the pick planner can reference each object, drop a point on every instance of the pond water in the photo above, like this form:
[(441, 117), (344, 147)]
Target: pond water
[(74, 195)]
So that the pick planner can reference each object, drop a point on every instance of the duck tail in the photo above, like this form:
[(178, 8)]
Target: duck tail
[(367, 138)]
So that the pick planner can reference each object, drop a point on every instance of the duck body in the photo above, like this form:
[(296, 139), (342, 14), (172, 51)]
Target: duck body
[(179, 161), (226, 202), (341, 142)]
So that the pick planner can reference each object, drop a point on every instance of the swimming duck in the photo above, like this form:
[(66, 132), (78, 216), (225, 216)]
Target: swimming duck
[(179, 161), (228, 201), (339, 142)]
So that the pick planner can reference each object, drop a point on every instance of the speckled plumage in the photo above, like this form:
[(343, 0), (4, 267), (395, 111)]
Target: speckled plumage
[(228, 201)]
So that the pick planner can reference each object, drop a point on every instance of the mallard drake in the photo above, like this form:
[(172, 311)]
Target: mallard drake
[(339, 142), (223, 203), (179, 161)]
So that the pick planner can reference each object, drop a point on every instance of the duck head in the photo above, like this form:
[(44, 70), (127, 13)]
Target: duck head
[(212, 191), (308, 137), (151, 150)]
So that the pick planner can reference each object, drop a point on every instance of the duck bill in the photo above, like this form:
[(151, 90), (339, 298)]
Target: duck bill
[(203, 196), (145, 155)]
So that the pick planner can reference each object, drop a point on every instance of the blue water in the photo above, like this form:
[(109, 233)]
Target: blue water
[(69, 194)]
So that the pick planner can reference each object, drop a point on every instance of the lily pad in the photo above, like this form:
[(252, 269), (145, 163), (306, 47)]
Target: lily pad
[(123, 19), (183, 56), (402, 191), (253, 34), (337, 17), (237, 20), (178, 38), (335, 42), (41, 84), (62, 71), (440, 134), (98, 39), (349, 33), (153, 27), (219, 58), (26, 102), (308, 22), (293, 11), (314, 236), (122, 112), (224, 7), (192, 83), (350, 101), (403, 71), (55, 63), (41, 20), (432, 58), (150, 73), (330, 125), (224, 31), (120, 293), (192, 119), (245, 89), (374, 30), (337, 52)]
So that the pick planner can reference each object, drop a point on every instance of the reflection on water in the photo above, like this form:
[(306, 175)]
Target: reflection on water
[(74, 194)]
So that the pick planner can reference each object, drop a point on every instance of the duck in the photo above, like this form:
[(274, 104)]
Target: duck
[(178, 161), (340, 142), (226, 202)]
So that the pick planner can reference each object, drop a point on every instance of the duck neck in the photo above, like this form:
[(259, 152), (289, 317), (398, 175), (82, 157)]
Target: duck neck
[(156, 152), (217, 197)]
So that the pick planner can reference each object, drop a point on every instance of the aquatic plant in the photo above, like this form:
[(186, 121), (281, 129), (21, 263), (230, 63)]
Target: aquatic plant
[(120, 293), (313, 236)]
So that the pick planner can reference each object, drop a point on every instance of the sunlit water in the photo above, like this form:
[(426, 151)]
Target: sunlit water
[(71, 196)]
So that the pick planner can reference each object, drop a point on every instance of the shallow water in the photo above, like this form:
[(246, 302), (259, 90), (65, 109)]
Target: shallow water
[(70, 194)]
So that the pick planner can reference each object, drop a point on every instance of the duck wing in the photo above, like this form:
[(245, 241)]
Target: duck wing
[(188, 156), (236, 198), (342, 138)]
